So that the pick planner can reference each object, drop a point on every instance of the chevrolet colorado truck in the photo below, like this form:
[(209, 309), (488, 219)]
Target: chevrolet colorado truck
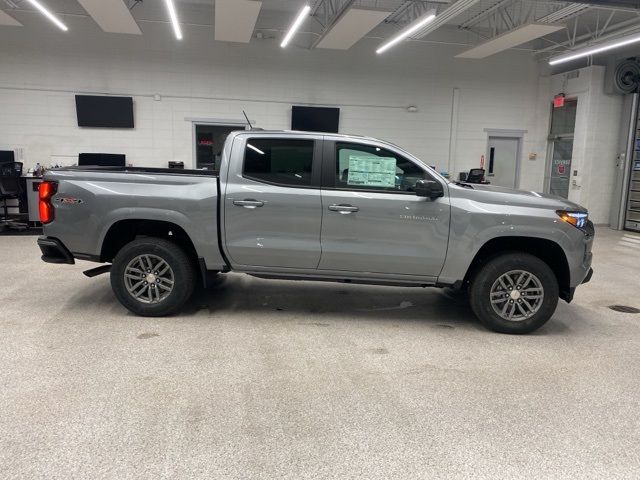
[(324, 207)]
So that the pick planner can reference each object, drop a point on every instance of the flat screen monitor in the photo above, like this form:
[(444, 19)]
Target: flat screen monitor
[(102, 160), (105, 112), (315, 119), (7, 156)]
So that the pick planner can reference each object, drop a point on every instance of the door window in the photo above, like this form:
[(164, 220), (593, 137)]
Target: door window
[(561, 167), (279, 161), (364, 167)]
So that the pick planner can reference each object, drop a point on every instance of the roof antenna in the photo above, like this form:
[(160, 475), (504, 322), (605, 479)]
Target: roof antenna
[(245, 116)]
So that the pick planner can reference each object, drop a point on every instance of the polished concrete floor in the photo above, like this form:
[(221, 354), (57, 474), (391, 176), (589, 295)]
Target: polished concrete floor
[(264, 379)]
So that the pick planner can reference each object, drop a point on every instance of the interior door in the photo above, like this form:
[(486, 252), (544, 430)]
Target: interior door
[(272, 203), (372, 221), (502, 167)]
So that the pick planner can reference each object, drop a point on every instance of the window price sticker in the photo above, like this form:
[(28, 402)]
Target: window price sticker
[(369, 171)]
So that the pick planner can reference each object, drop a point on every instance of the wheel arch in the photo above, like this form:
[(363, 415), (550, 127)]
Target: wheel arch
[(546, 250), (124, 231)]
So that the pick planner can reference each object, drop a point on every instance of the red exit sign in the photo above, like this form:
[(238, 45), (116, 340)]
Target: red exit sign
[(558, 101)]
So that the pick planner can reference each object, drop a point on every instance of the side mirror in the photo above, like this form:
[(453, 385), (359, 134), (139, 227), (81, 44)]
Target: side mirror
[(429, 189)]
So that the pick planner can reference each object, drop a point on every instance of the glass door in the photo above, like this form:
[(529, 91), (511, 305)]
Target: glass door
[(563, 122)]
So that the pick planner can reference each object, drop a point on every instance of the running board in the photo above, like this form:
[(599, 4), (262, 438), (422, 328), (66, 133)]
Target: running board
[(94, 272)]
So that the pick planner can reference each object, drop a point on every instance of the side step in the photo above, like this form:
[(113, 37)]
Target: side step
[(94, 272)]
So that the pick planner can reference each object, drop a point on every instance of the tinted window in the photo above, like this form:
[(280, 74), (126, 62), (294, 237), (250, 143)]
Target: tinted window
[(362, 167), (280, 161)]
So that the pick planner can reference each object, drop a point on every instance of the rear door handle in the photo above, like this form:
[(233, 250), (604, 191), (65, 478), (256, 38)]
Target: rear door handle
[(248, 203), (343, 209)]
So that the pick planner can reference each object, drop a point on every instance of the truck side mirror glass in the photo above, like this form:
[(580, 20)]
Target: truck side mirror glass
[(429, 189)]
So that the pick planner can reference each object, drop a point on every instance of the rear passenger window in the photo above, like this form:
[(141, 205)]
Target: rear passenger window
[(279, 161)]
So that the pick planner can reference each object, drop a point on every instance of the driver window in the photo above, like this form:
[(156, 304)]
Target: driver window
[(364, 167)]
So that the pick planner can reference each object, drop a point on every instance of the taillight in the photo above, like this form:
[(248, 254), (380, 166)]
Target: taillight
[(46, 190)]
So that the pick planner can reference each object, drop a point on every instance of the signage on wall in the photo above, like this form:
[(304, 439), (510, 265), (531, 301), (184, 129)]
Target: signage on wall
[(558, 100)]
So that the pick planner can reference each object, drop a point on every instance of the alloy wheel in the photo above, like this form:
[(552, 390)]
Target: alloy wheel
[(517, 295), (149, 279)]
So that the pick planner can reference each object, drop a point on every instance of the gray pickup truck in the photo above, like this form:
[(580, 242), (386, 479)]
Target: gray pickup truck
[(313, 206)]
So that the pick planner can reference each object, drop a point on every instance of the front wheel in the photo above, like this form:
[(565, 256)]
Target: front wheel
[(514, 293), (152, 277)]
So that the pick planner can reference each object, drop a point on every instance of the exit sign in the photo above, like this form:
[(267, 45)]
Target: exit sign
[(558, 101)]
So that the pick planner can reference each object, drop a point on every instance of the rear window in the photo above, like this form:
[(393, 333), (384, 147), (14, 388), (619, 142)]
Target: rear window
[(280, 161)]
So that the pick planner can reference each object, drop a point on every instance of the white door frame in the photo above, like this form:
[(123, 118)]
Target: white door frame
[(217, 122), (507, 133)]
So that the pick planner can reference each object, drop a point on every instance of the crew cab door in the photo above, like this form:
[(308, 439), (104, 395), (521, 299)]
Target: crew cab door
[(272, 206), (372, 221)]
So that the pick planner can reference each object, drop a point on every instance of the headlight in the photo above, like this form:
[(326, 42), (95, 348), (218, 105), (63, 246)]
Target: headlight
[(577, 219)]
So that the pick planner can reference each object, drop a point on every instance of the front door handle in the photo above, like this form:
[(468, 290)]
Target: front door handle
[(343, 209), (248, 203)]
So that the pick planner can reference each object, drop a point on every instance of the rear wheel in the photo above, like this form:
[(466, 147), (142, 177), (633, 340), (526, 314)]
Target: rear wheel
[(514, 293), (152, 277)]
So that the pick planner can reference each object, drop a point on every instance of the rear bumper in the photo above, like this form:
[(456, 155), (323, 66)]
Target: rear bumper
[(54, 251)]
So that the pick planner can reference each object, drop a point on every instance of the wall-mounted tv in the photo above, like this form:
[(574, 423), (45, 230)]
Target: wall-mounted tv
[(104, 111), (315, 119)]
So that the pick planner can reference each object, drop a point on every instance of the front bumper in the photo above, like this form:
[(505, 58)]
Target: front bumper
[(54, 251)]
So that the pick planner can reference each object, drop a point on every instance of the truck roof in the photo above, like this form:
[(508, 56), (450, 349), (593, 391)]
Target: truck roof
[(303, 132)]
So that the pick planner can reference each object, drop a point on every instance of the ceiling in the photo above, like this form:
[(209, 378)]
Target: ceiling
[(339, 24)]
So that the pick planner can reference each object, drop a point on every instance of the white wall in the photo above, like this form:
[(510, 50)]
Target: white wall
[(205, 79), (596, 137)]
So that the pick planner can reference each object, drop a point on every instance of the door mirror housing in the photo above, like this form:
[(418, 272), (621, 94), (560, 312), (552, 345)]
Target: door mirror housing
[(429, 189)]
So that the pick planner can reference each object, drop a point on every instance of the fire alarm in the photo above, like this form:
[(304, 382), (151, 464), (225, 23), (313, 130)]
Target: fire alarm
[(412, 109)]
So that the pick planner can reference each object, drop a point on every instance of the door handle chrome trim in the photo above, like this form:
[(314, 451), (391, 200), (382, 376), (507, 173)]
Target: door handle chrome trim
[(248, 203), (343, 209)]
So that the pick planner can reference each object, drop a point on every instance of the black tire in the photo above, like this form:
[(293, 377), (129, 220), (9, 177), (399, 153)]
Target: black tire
[(482, 283), (182, 274)]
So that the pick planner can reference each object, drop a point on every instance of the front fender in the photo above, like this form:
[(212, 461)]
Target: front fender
[(474, 224)]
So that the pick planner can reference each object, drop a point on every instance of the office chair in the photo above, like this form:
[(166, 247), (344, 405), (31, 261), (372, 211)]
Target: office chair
[(476, 175), (10, 188)]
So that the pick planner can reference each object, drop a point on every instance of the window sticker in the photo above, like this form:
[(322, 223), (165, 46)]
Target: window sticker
[(371, 171)]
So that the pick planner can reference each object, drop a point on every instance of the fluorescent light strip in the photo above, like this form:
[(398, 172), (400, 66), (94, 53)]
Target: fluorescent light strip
[(407, 32), (174, 19), (255, 149), (603, 47), (48, 14), (296, 25)]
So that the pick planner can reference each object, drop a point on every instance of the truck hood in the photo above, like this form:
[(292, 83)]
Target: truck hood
[(508, 196)]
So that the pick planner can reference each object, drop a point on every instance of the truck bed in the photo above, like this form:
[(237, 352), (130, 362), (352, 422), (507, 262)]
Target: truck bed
[(97, 203)]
